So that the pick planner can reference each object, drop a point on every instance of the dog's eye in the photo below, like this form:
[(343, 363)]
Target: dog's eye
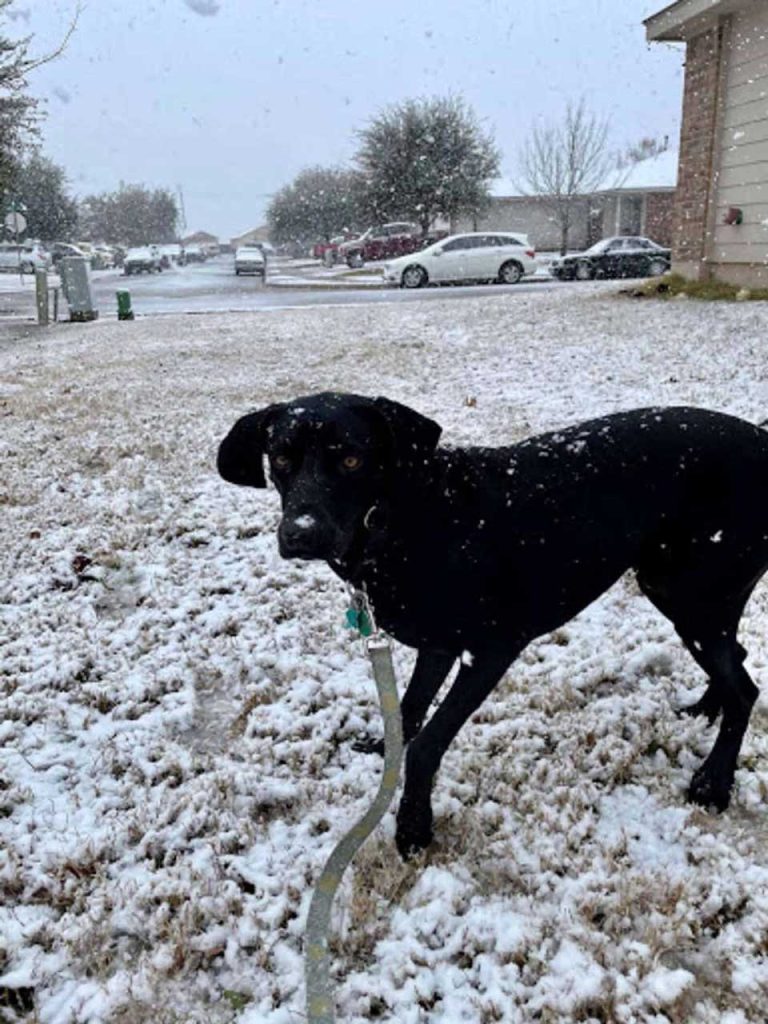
[(351, 462), (281, 462)]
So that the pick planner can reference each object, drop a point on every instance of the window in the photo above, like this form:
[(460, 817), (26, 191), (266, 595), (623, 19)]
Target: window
[(457, 243)]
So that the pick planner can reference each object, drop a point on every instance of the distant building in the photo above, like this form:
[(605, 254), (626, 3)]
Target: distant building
[(260, 234), (201, 239), (721, 207), (643, 200), (638, 201)]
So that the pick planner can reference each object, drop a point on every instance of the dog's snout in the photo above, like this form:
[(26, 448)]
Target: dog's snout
[(300, 536), (301, 527)]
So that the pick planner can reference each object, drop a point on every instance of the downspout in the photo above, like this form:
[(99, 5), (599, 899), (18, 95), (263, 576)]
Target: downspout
[(715, 150)]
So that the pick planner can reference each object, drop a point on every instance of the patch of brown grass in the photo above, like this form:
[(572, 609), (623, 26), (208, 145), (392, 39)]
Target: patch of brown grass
[(672, 286)]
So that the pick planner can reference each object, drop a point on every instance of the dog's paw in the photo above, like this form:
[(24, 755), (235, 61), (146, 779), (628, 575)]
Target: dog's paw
[(708, 706), (368, 745), (708, 792)]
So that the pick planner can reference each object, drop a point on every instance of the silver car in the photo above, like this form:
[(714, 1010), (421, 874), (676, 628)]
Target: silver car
[(249, 259)]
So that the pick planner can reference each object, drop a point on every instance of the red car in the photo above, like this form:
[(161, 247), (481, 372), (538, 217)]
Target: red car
[(328, 252), (384, 242)]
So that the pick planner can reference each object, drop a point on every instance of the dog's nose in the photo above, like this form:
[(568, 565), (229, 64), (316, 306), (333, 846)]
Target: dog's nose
[(299, 535)]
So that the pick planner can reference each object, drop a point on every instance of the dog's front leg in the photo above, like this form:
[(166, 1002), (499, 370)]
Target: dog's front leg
[(425, 751), (428, 676)]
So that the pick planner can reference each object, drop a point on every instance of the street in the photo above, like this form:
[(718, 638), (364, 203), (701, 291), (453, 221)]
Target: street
[(213, 287)]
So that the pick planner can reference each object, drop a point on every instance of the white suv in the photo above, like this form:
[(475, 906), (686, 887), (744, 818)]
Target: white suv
[(26, 257), (502, 256)]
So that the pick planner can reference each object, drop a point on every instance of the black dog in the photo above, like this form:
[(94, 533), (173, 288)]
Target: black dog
[(472, 553)]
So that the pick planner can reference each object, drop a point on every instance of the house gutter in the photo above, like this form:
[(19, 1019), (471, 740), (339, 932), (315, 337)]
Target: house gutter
[(685, 19)]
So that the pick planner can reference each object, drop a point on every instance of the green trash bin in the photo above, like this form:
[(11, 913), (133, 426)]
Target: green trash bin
[(124, 311)]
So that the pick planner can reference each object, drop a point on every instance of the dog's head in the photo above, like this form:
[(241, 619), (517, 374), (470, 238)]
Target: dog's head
[(336, 460)]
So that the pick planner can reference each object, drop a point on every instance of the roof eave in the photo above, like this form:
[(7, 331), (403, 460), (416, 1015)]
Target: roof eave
[(684, 19), (635, 190)]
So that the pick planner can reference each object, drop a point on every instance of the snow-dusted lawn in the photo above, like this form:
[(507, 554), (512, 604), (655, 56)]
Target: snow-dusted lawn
[(178, 703)]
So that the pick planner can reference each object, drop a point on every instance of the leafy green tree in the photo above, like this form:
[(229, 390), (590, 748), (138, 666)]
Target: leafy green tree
[(319, 203), (41, 187), (132, 215), (426, 158)]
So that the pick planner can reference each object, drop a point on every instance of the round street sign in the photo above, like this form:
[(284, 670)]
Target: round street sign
[(15, 222)]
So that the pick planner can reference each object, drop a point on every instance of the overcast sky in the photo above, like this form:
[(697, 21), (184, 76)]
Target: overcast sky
[(229, 99)]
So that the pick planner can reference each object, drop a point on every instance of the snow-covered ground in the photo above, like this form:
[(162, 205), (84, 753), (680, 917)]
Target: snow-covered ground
[(178, 703)]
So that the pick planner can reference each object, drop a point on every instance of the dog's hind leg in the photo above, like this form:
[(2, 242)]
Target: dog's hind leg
[(708, 626), (674, 601), (722, 657), (472, 685), (429, 674)]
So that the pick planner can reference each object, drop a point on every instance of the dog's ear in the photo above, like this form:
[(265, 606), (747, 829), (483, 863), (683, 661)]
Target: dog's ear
[(415, 436), (241, 454)]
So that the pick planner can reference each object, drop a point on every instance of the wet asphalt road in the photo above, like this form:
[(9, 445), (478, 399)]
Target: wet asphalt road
[(213, 287)]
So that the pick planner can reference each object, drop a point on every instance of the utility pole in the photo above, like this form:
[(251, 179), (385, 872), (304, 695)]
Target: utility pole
[(182, 211)]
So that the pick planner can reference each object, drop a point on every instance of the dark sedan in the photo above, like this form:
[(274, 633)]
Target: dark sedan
[(621, 256)]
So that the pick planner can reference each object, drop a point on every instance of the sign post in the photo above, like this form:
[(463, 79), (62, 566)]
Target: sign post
[(17, 223), (41, 295)]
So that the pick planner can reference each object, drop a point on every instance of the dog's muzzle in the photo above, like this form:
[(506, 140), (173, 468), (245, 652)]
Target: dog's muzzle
[(303, 536)]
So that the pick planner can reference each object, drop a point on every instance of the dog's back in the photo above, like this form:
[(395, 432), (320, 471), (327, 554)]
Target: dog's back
[(493, 533)]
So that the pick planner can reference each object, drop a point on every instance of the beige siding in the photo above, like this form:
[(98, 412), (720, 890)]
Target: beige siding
[(742, 179), (733, 195), (748, 71), (744, 174), (738, 115)]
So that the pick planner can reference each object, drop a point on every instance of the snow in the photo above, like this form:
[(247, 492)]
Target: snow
[(179, 704), (658, 172)]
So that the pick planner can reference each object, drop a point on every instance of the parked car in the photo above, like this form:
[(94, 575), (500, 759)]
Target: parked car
[(620, 256), (249, 259), (95, 255), (194, 254), (61, 249), (173, 252), (26, 257), (328, 251), (142, 260), (387, 241), (104, 258), (477, 256)]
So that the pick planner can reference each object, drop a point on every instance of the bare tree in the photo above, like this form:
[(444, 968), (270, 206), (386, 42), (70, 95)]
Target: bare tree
[(566, 162)]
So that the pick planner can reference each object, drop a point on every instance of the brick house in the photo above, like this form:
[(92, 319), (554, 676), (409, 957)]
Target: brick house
[(721, 210), (637, 202), (642, 202)]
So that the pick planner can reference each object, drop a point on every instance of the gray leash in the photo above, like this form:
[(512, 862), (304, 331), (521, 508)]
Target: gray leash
[(316, 959)]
